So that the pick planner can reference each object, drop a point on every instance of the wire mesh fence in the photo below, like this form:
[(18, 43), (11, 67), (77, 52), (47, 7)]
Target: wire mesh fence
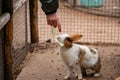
[(19, 35), (100, 7), (94, 28)]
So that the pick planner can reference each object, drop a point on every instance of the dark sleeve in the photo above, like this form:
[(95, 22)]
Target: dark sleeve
[(49, 6)]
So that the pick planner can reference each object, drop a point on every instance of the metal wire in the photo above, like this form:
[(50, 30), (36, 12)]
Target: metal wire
[(26, 28), (97, 24), (19, 50)]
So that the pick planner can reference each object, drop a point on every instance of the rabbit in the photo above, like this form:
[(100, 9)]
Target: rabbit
[(78, 57)]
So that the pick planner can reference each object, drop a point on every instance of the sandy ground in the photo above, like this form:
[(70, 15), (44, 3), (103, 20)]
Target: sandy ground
[(46, 64)]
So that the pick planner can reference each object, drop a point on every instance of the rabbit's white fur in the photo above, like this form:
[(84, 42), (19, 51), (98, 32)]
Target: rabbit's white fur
[(71, 56)]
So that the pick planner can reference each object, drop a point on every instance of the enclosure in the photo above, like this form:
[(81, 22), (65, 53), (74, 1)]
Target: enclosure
[(99, 27), (28, 55)]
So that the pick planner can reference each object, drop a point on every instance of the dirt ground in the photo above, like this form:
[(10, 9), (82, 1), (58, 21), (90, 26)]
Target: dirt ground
[(45, 63)]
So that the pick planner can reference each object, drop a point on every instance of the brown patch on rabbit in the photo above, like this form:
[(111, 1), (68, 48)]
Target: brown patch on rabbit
[(68, 42), (81, 55)]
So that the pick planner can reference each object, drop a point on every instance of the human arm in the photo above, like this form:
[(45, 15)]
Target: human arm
[(50, 8)]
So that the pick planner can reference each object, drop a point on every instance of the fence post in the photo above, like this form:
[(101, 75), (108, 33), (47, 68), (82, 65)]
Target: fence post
[(9, 71), (1, 54), (33, 7), (74, 3), (1, 49)]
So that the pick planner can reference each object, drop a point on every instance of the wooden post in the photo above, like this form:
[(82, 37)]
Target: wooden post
[(1, 54), (1, 48), (74, 3), (0, 6), (9, 71), (33, 7)]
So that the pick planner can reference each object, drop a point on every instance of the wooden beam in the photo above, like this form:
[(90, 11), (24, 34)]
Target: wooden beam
[(1, 54), (74, 3), (9, 71), (8, 49), (33, 7)]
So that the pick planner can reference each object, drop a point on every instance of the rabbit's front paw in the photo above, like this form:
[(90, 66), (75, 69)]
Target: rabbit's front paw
[(96, 74), (79, 76)]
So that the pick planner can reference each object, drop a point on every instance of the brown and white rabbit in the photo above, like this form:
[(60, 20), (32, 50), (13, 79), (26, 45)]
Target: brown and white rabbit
[(78, 57)]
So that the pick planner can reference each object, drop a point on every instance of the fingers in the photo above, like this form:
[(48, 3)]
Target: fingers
[(59, 26), (53, 20), (54, 23)]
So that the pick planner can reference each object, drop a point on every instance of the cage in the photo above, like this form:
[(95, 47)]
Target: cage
[(19, 43), (100, 28)]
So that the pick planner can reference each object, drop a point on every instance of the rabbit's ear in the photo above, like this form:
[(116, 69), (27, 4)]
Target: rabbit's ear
[(76, 37)]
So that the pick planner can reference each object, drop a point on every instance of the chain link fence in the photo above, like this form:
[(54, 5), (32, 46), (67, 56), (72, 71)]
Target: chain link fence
[(94, 28), (19, 50)]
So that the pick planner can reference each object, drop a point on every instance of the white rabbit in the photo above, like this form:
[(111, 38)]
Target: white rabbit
[(78, 57)]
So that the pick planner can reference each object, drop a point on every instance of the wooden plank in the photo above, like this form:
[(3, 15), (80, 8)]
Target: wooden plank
[(9, 71), (33, 6)]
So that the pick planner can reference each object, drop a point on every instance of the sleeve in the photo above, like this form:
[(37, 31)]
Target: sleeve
[(49, 6)]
